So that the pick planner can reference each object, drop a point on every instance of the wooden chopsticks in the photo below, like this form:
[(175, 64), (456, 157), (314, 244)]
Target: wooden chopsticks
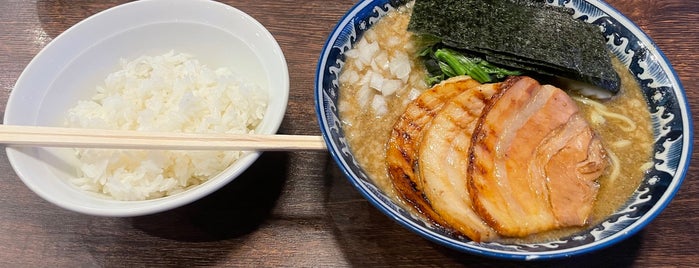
[(37, 136)]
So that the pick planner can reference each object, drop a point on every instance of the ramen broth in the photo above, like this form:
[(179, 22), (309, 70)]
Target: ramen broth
[(628, 139)]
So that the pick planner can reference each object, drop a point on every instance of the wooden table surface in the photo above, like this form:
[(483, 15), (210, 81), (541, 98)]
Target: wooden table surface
[(302, 212)]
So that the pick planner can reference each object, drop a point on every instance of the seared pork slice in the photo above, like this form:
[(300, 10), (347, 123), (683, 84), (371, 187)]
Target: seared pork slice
[(534, 161), (402, 146), (443, 162), (575, 159)]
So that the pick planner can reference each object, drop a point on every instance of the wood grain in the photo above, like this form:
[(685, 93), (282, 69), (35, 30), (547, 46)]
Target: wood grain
[(296, 208)]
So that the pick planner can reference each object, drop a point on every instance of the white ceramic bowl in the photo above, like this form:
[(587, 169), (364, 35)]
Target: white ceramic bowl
[(671, 120), (70, 67)]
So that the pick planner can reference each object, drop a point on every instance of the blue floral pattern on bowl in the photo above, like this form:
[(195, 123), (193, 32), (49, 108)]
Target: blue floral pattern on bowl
[(671, 121)]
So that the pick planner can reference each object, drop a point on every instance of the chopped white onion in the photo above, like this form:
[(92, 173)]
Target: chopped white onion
[(352, 53), (376, 81), (350, 76), (382, 62), (390, 86), (400, 66), (379, 105), (364, 95), (366, 78), (367, 53)]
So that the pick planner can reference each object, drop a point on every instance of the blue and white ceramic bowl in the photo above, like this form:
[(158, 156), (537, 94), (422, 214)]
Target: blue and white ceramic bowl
[(672, 126)]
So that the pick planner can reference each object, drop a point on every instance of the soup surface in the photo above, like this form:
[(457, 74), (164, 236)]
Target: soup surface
[(368, 114)]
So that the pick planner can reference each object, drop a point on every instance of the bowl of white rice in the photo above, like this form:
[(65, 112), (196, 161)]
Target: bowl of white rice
[(189, 66)]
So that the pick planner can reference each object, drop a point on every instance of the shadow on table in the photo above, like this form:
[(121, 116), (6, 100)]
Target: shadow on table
[(233, 211), (369, 238), (211, 227)]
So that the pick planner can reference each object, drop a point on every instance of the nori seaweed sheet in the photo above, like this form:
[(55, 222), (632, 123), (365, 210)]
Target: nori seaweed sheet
[(520, 32)]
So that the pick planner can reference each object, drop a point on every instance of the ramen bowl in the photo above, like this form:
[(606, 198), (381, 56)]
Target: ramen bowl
[(76, 62), (668, 107)]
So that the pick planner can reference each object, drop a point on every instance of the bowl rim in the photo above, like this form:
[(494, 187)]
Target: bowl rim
[(145, 207), (639, 224)]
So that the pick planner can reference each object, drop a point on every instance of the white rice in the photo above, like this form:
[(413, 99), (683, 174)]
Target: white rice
[(171, 92)]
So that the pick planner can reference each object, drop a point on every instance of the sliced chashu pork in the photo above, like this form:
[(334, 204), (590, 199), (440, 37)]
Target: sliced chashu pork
[(443, 161), (402, 146), (533, 161)]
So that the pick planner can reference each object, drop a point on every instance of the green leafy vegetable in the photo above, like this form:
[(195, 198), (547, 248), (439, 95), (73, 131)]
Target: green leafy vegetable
[(443, 63)]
